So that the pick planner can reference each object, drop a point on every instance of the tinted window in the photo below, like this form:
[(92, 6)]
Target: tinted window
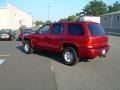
[(44, 29), (75, 29), (26, 31), (5, 30), (57, 29), (96, 29)]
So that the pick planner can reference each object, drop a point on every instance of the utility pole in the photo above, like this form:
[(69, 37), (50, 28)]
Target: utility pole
[(48, 7)]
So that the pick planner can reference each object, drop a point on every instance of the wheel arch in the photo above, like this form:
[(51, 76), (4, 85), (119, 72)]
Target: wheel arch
[(27, 39), (64, 45)]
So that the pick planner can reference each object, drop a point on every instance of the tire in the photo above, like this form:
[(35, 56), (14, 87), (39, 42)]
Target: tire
[(28, 48), (70, 56)]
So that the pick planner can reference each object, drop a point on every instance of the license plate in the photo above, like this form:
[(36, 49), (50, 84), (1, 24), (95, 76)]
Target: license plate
[(103, 51)]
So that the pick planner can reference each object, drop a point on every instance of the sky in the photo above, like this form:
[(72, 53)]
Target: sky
[(52, 9)]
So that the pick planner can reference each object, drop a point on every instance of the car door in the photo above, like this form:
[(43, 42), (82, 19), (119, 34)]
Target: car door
[(40, 37), (55, 38)]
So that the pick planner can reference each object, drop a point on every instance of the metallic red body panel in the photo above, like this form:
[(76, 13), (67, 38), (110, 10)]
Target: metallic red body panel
[(87, 46)]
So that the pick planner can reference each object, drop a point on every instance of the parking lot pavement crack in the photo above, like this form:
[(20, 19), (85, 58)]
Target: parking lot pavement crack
[(53, 70)]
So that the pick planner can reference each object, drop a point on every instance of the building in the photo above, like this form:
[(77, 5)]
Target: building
[(90, 18), (111, 20), (13, 18)]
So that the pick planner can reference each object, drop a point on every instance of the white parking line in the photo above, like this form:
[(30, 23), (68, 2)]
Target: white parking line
[(52, 67), (2, 61), (6, 55)]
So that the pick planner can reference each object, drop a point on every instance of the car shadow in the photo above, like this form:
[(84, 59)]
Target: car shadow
[(53, 56), (20, 48)]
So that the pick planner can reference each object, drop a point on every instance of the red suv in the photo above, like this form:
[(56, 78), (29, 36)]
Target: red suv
[(74, 40)]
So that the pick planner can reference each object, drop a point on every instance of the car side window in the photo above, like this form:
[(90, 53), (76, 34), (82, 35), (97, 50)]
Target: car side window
[(57, 29), (44, 29), (75, 29)]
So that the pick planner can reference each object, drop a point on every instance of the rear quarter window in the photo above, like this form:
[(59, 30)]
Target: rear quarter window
[(75, 29), (96, 29), (57, 28)]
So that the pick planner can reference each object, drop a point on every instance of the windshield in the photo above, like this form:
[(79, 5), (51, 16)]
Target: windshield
[(96, 29), (5, 31), (26, 31)]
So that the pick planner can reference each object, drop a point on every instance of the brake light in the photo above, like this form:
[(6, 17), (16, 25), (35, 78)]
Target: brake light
[(89, 44)]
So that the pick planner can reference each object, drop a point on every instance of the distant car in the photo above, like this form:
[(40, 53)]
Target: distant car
[(24, 32), (7, 34)]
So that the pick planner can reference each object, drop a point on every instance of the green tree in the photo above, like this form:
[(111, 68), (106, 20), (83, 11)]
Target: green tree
[(95, 8), (72, 18), (63, 19), (38, 23), (114, 7), (48, 21)]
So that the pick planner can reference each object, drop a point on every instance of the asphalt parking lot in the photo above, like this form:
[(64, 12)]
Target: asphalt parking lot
[(45, 71)]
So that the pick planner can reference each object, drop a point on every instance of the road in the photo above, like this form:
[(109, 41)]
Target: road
[(24, 72), (45, 71)]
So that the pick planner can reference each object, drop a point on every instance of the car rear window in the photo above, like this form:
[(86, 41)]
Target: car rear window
[(96, 29), (75, 29)]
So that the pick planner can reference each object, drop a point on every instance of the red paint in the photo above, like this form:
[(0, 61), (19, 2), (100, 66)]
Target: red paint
[(86, 45)]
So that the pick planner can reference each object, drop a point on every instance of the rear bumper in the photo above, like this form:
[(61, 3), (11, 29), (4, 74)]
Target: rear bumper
[(5, 38), (92, 53)]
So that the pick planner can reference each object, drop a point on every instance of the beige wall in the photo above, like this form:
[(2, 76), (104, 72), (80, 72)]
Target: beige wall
[(17, 16), (11, 17), (4, 18)]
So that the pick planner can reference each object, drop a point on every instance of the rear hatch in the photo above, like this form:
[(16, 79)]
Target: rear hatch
[(98, 37)]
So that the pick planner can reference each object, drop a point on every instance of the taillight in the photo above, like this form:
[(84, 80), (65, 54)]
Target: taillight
[(89, 44)]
